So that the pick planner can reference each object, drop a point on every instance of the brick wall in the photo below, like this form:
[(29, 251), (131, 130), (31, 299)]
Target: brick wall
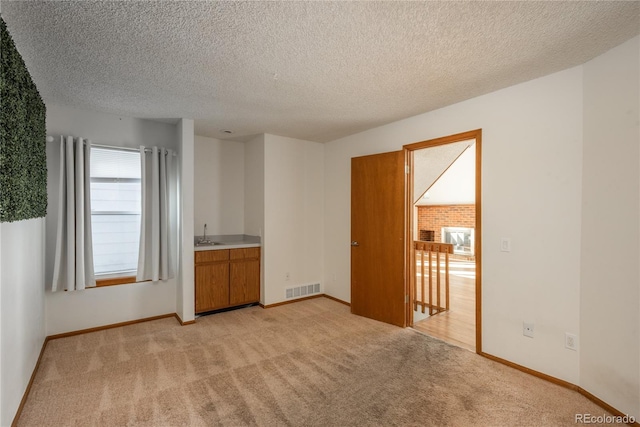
[(436, 217)]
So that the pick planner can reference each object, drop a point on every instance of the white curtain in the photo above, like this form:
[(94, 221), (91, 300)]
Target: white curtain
[(73, 264), (155, 256)]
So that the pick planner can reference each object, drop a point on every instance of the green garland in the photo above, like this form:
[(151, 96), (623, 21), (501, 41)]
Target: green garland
[(23, 158)]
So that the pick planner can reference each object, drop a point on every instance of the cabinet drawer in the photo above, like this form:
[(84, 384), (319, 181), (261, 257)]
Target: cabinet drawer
[(244, 253), (212, 256)]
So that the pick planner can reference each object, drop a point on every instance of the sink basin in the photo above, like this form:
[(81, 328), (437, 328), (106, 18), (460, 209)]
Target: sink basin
[(226, 241), (208, 243)]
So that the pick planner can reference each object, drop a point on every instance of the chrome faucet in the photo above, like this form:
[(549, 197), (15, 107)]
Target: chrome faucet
[(204, 240)]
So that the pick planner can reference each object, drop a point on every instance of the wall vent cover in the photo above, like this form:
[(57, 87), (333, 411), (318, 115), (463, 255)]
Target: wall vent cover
[(302, 291)]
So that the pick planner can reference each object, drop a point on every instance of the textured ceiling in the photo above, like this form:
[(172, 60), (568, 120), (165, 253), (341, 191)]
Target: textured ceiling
[(308, 70)]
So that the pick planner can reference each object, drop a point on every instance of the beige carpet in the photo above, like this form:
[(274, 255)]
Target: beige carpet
[(311, 363)]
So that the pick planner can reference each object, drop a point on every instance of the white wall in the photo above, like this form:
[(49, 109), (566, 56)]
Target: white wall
[(22, 325), (609, 303), (531, 171), (2, 402), (185, 292), (254, 195), (70, 311), (219, 186), (293, 215)]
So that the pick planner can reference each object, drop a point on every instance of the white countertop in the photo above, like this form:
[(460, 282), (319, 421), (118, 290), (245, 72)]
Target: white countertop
[(234, 245), (228, 241)]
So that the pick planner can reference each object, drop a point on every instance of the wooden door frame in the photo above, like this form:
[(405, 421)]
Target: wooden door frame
[(409, 251)]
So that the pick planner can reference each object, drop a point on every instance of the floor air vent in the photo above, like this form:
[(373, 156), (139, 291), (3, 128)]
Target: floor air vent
[(302, 291)]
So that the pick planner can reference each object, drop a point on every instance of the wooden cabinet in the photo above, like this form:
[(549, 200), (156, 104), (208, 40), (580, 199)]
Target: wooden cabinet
[(244, 281), (226, 278)]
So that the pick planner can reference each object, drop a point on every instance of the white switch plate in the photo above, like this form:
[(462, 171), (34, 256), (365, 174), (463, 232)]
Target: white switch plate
[(505, 244), (571, 341)]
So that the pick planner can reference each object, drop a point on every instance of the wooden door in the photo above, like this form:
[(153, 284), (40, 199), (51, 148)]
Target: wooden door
[(377, 237)]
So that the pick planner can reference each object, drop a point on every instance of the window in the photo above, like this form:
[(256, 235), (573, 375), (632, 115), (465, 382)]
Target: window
[(115, 211)]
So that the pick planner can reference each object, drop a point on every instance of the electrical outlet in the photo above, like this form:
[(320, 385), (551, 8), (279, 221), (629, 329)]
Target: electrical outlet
[(527, 329), (571, 341), (505, 244)]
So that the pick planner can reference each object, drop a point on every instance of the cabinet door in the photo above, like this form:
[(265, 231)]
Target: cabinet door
[(212, 286), (244, 285)]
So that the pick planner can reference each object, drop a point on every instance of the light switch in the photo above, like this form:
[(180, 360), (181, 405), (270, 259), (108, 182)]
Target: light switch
[(505, 244)]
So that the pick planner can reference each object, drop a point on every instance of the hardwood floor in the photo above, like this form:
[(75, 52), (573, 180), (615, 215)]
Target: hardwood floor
[(456, 326)]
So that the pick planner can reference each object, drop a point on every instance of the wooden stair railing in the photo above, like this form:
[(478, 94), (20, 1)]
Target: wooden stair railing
[(432, 252)]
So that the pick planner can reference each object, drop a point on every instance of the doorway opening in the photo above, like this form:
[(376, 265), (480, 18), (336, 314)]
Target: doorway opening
[(444, 238)]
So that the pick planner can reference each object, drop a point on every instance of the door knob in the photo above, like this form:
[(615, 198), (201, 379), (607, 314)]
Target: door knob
[(354, 243)]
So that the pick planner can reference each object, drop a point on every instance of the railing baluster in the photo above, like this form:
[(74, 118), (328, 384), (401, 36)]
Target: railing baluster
[(446, 278), (432, 249), (422, 278), (418, 252), (430, 284), (438, 306)]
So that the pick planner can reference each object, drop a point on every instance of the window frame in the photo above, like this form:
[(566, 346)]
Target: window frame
[(120, 280)]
